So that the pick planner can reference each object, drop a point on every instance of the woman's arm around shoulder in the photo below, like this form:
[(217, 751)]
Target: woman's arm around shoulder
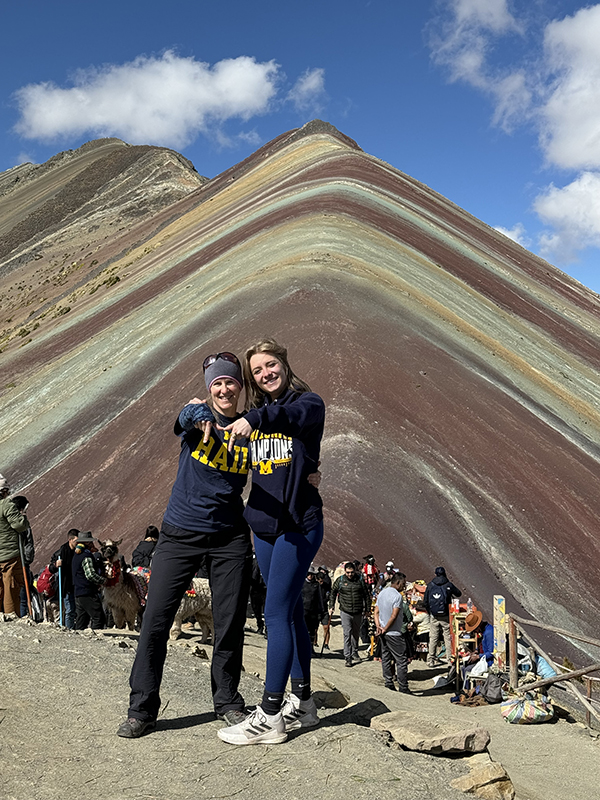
[(306, 412)]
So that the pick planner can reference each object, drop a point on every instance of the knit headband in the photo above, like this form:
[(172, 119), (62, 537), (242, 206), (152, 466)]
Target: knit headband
[(223, 369)]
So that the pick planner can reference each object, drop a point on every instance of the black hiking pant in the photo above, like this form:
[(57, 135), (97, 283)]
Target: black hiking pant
[(227, 557), (89, 612), (257, 601)]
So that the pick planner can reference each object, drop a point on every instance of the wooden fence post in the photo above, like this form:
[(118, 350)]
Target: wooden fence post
[(512, 653), (499, 631)]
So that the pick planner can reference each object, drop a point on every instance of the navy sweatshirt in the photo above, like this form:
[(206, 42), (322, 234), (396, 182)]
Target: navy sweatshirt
[(207, 493), (285, 445)]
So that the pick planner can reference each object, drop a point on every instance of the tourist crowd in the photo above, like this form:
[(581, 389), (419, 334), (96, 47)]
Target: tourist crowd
[(206, 530)]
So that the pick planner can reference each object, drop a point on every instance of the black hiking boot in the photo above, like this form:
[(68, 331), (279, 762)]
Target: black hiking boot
[(133, 728), (232, 717)]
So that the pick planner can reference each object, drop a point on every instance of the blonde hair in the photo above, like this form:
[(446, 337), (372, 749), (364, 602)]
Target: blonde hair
[(254, 396)]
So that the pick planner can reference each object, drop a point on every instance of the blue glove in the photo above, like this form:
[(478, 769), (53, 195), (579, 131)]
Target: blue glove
[(193, 413)]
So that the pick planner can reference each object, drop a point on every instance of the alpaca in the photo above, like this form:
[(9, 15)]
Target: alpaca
[(121, 595), (51, 609), (124, 594), (196, 605)]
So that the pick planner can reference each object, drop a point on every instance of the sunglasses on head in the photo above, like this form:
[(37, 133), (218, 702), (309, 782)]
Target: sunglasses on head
[(225, 356)]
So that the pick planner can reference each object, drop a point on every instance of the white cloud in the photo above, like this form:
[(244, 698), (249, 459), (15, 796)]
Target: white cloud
[(555, 87), (250, 137), (309, 90), (24, 158), (570, 117), (570, 135), (573, 212), (164, 100), (490, 15), (461, 42), (517, 233)]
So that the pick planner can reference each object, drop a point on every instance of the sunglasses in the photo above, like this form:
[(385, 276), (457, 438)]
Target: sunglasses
[(225, 356)]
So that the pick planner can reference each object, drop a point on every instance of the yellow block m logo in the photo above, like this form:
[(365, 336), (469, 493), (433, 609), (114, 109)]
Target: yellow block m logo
[(265, 467)]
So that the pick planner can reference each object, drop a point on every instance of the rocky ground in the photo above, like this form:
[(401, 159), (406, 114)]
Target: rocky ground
[(63, 694)]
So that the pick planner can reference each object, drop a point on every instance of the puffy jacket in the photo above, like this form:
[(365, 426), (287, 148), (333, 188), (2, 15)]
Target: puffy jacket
[(354, 597), (12, 523)]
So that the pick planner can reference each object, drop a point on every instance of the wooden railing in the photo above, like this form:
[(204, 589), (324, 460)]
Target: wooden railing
[(515, 624)]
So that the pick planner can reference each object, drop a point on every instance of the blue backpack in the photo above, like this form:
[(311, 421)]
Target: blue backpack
[(438, 600)]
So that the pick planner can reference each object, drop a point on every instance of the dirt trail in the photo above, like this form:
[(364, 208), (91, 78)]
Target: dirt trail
[(63, 694)]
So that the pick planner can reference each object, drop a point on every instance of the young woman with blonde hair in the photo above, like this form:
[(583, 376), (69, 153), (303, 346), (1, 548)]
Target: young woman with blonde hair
[(284, 422)]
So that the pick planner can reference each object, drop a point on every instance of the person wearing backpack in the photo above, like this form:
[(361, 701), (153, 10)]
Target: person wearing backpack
[(437, 598)]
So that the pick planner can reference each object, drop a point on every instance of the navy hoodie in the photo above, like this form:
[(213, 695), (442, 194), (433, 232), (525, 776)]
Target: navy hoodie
[(285, 445), (207, 493), (438, 594)]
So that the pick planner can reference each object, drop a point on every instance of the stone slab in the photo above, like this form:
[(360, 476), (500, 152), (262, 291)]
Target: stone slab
[(488, 781), (420, 733)]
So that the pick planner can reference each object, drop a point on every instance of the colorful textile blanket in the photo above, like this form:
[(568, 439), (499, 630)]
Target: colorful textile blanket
[(140, 577)]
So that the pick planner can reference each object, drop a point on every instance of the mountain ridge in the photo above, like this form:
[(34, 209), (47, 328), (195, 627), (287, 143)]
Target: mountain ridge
[(459, 370)]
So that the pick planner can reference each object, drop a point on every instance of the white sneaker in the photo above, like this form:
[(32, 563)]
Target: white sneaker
[(299, 713), (257, 728)]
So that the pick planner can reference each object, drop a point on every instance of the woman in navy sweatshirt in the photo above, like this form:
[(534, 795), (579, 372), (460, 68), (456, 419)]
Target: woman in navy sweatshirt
[(285, 426)]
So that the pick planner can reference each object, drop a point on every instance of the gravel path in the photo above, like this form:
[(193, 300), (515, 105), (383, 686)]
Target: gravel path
[(63, 694)]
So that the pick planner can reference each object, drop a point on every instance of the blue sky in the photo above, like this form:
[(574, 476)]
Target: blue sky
[(493, 103)]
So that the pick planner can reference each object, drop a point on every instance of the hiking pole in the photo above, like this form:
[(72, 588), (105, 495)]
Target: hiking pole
[(60, 608), (328, 627), (25, 577)]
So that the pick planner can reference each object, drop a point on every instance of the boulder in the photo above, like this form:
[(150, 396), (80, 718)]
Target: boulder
[(361, 713), (330, 699), (488, 781), (420, 733)]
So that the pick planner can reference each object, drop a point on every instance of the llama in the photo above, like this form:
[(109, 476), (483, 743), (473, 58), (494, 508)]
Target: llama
[(196, 605), (125, 592), (122, 597), (50, 607)]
